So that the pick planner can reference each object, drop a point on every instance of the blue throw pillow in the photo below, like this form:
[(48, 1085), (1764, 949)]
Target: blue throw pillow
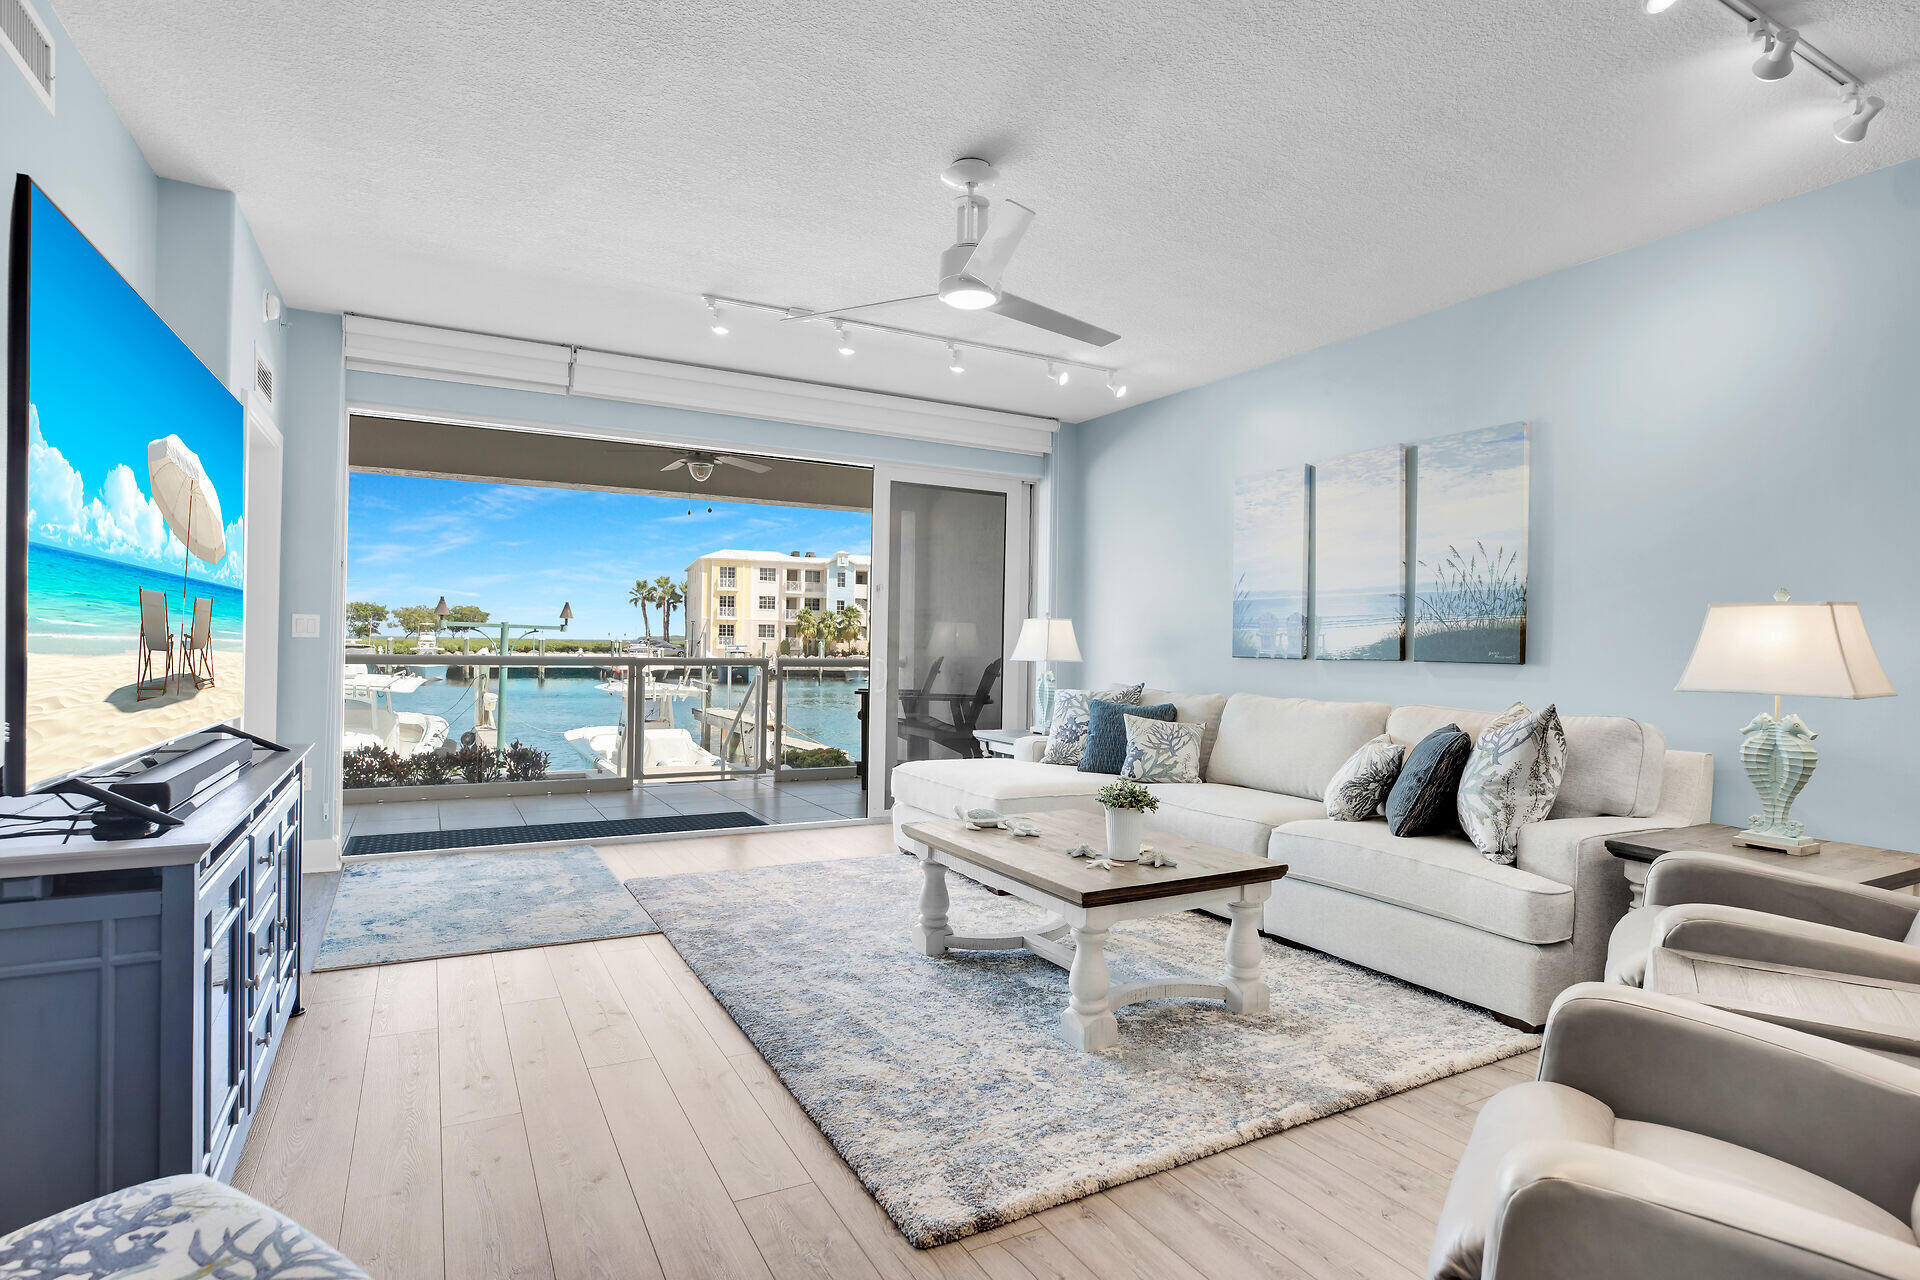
[(1423, 797), (1107, 733)]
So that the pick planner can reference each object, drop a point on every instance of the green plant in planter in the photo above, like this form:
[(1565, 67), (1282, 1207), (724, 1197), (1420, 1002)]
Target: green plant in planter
[(1121, 794), (435, 768), (477, 763), (526, 764), (369, 766)]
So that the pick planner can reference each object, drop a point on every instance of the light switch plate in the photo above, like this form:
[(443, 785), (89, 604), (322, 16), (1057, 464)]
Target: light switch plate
[(306, 626)]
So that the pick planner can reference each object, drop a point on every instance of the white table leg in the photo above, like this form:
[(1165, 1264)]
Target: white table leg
[(1246, 992), (1087, 1021), (1636, 873), (932, 932)]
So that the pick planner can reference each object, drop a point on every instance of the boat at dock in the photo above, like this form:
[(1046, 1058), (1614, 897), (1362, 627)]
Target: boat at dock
[(371, 721)]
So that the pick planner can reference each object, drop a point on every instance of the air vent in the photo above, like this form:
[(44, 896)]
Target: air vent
[(263, 378), (30, 44)]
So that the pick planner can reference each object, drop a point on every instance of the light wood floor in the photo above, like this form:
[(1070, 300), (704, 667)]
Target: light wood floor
[(590, 1111)]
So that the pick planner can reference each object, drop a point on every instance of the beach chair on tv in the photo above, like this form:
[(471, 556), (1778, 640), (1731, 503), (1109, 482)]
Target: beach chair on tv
[(156, 636), (196, 647)]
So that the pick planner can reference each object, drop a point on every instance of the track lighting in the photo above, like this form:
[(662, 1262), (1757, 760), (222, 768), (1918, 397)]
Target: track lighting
[(1058, 374), (845, 343), (1777, 62), (1852, 127), (1119, 389), (719, 324), (956, 364)]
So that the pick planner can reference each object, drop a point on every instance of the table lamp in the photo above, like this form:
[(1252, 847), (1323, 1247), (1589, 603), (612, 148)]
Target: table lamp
[(1801, 650), (1045, 640)]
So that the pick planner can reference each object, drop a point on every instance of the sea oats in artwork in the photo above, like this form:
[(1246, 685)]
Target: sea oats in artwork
[(1470, 576)]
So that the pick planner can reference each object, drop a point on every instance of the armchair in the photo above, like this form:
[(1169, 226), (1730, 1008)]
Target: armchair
[(1666, 1138)]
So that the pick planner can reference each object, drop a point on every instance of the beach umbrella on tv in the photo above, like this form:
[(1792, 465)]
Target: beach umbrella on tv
[(187, 503)]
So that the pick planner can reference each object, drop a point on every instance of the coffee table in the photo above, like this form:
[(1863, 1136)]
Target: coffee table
[(1087, 902)]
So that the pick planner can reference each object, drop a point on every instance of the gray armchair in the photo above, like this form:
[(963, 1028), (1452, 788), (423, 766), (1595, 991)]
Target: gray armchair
[(1667, 1138)]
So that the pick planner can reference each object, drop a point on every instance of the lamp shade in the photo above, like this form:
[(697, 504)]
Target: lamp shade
[(1046, 640), (1801, 650)]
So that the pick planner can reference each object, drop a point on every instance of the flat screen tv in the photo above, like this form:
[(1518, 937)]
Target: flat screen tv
[(125, 525)]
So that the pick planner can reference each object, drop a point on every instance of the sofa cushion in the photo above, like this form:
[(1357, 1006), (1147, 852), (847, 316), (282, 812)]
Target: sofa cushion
[(1614, 763), (1362, 784), (1012, 786), (1423, 797), (1290, 745), (1511, 779), (1161, 751), (1234, 817), (1106, 747), (1441, 876), (1067, 734), (1202, 709)]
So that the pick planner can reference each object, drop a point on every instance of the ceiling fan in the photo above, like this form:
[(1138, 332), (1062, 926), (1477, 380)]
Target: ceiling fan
[(971, 267), (700, 465)]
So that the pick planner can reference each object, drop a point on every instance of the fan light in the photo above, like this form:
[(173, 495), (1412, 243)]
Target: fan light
[(1657, 6), (846, 344), (1058, 374), (700, 471), (1777, 62), (966, 293), (953, 350), (719, 325), (1119, 389), (1853, 126)]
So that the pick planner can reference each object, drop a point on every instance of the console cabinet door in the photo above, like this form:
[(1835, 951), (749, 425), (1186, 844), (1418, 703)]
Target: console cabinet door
[(220, 929)]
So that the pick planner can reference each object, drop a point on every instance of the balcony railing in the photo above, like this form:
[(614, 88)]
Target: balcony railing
[(452, 725)]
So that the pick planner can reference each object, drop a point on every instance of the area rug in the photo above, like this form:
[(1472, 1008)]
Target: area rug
[(942, 1083), (452, 904)]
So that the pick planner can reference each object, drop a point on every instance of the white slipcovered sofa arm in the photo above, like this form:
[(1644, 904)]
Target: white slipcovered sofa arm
[(1030, 748)]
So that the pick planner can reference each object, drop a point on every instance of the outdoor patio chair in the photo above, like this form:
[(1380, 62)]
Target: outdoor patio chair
[(196, 647), (156, 636), (955, 733), (912, 700)]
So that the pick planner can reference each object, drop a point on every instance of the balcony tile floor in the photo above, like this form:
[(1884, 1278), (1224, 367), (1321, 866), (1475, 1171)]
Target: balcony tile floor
[(799, 800)]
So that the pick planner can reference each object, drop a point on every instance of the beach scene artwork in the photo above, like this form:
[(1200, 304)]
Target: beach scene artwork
[(1359, 555), (1470, 575), (135, 461), (1270, 513)]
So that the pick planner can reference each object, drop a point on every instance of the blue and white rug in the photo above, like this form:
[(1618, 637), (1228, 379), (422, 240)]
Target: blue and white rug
[(453, 904), (943, 1083)]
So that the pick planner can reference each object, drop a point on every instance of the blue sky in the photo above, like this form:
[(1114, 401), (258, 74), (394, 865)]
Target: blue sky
[(520, 551), (106, 378)]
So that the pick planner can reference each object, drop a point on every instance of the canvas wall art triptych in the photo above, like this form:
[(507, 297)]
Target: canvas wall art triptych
[(1320, 553)]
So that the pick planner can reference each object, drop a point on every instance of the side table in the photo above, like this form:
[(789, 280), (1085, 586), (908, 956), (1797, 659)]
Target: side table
[(1852, 863), (998, 742)]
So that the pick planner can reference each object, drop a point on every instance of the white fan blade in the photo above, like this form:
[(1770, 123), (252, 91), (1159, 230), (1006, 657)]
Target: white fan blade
[(743, 464), (1005, 225), (677, 462), (1018, 308), (865, 306)]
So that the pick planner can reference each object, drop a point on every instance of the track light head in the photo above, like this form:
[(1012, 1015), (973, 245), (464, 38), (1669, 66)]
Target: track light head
[(1852, 127), (1119, 389), (845, 344), (719, 323), (1777, 62), (1059, 373), (955, 364)]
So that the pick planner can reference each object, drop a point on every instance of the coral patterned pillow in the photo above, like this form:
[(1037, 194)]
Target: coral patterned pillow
[(1162, 750)]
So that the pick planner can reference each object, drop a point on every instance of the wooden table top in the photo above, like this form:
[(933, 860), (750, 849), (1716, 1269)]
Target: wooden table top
[(1041, 861), (1851, 863)]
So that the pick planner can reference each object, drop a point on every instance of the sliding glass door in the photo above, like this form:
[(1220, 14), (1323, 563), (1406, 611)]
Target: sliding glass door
[(951, 562)]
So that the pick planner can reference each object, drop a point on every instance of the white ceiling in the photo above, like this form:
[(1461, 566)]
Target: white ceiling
[(1223, 184)]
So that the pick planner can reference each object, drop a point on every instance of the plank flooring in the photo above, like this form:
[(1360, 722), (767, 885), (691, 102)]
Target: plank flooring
[(589, 1111)]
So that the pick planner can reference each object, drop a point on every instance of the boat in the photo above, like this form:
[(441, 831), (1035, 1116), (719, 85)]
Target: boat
[(665, 748), (371, 720)]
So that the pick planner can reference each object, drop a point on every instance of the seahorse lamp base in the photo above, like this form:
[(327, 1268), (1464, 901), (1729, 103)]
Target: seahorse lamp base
[(1779, 756)]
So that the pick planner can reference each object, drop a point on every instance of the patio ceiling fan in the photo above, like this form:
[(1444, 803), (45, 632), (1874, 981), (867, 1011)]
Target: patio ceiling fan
[(971, 267), (700, 465)]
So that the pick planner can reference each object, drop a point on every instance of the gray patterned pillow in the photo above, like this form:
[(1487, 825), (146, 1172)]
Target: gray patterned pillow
[(1162, 750), (1067, 735), (1511, 779), (1360, 786)]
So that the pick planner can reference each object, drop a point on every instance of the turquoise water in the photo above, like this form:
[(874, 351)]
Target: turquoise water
[(540, 711), (77, 603)]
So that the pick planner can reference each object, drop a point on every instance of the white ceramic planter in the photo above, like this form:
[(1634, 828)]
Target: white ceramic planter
[(1125, 828)]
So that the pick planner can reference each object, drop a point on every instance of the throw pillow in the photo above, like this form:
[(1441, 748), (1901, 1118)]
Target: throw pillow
[(1422, 800), (1360, 786), (1067, 734), (1162, 750), (1511, 778), (1107, 733)]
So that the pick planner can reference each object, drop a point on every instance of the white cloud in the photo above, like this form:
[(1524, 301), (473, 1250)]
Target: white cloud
[(231, 569), (56, 494)]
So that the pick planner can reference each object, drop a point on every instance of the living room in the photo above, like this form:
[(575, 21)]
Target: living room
[(1364, 741)]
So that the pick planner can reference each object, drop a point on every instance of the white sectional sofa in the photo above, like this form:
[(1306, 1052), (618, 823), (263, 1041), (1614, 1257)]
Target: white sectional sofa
[(1427, 909)]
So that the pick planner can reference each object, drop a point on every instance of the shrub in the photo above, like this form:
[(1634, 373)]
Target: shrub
[(370, 766), (526, 764), (435, 768), (815, 758), (477, 763)]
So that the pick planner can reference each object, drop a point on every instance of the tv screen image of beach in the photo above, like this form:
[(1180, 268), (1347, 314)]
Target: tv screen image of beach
[(135, 533)]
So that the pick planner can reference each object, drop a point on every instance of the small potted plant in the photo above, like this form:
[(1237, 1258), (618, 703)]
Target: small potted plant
[(1127, 805)]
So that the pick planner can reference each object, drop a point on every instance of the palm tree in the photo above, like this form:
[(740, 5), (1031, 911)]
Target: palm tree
[(808, 626), (668, 595), (846, 621), (643, 594)]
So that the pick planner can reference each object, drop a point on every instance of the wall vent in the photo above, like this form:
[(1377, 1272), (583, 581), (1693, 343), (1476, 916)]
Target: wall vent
[(30, 44), (262, 372)]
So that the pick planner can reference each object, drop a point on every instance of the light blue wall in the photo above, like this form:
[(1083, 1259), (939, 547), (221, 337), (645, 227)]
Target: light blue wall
[(1723, 412)]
